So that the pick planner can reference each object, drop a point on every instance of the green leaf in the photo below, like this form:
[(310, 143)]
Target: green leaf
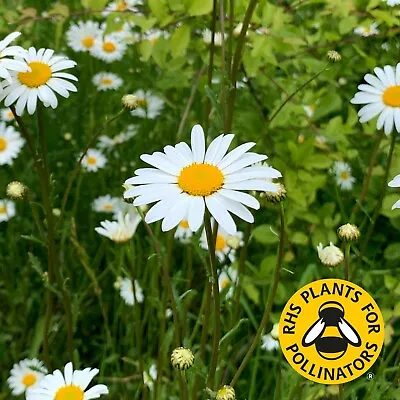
[(263, 234), (180, 41), (299, 238), (392, 252), (94, 4), (347, 24), (200, 7)]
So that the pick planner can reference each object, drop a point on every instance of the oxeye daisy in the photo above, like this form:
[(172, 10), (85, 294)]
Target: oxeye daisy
[(25, 376), (186, 180), (126, 292), (395, 182), (105, 204), (7, 64), (70, 386), (41, 81), (342, 172), (226, 281), (121, 5), (82, 35), (154, 34), (150, 377), (6, 115), (94, 160), (107, 81), (11, 144), (367, 30), (330, 255), (7, 210), (183, 233), (270, 341), (119, 231), (110, 48), (309, 110), (225, 244), (148, 105), (382, 97)]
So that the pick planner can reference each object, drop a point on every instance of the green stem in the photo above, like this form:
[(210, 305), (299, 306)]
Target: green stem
[(270, 301), (347, 261), (215, 293), (381, 197), (223, 72)]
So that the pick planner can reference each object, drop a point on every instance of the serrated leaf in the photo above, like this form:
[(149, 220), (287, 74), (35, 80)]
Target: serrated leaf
[(200, 7), (180, 40)]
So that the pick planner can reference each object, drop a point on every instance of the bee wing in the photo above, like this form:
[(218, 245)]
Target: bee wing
[(349, 332), (313, 333)]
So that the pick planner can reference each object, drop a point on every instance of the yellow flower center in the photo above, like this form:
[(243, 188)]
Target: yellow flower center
[(344, 175), (391, 96), (220, 243), (29, 380), (200, 179), (10, 114), (40, 73), (106, 81), (88, 42), (153, 40), (121, 6), (141, 103), (70, 392), (109, 47), (3, 144), (108, 207), (225, 283), (3, 210), (184, 224), (91, 160)]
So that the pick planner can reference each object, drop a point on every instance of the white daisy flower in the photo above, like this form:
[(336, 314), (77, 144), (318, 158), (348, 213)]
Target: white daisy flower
[(342, 172), (72, 385), (225, 244), (185, 181), (7, 210), (150, 377), (330, 255), (149, 105), (107, 143), (6, 115), (395, 182), (367, 30), (107, 81), (82, 35), (154, 34), (126, 292), (94, 160), (207, 37), (226, 280), (121, 5), (382, 97), (119, 231), (25, 376), (183, 232), (109, 49), (309, 110), (7, 64), (269, 342), (392, 3), (105, 204), (41, 81), (124, 32), (11, 144)]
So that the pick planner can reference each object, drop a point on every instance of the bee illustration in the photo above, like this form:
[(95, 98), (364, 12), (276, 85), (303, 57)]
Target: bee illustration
[(331, 334)]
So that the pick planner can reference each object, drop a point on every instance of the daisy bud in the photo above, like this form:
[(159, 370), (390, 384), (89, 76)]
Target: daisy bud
[(275, 197), (348, 233), (67, 136), (182, 358), (130, 101), (118, 283), (226, 393), (330, 255), (56, 212), (275, 331), (16, 190), (233, 242), (334, 56)]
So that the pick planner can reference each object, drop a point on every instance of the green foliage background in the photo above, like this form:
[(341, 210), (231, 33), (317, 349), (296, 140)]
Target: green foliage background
[(274, 65)]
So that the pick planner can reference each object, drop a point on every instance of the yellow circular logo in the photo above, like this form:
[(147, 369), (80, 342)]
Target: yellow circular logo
[(331, 331)]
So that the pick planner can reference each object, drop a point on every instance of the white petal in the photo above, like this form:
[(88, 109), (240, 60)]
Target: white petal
[(159, 210), (243, 198), (370, 111), (161, 161), (389, 121), (198, 143), (370, 89), (220, 213), (254, 184), (395, 182), (177, 213), (95, 392), (236, 153), (244, 161), (382, 76), (68, 370), (32, 100), (237, 208), (196, 212), (374, 81), (390, 74), (397, 119), (382, 117), (396, 205)]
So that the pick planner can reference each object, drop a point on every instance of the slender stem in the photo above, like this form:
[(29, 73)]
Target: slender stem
[(215, 293), (78, 166), (341, 392), (367, 178), (381, 197), (270, 301), (347, 261), (230, 35), (236, 62), (223, 72)]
